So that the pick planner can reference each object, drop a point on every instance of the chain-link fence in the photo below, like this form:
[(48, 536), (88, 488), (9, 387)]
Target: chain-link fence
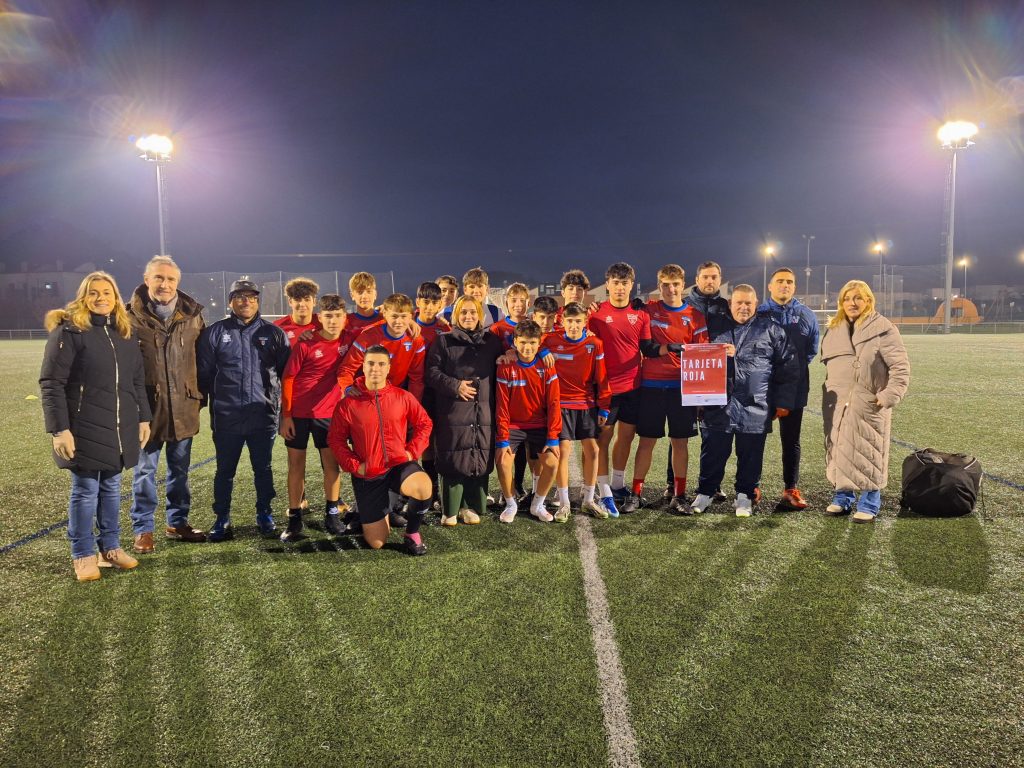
[(211, 288)]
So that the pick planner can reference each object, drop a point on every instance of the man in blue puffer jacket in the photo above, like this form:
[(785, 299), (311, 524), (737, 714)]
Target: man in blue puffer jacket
[(240, 360), (801, 327), (762, 381)]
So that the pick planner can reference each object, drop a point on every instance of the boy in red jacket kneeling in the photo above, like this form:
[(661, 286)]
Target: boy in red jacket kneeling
[(377, 434)]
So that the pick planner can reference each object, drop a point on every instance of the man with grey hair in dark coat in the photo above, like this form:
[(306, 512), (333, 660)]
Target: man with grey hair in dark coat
[(167, 324)]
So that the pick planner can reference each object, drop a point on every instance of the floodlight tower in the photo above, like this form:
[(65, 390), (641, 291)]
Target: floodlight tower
[(157, 149), (954, 136), (769, 252), (807, 271), (963, 263), (879, 250)]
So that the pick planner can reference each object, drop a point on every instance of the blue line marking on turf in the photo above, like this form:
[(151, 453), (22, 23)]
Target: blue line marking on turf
[(63, 523), (911, 447)]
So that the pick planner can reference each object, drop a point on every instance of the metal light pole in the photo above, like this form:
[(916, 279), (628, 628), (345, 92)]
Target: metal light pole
[(879, 248), (954, 136), (157, 150), (963, 263), (769, 251), (807, 271)]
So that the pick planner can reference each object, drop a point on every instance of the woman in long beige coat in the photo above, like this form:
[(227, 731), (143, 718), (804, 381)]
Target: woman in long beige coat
[(867, 373)]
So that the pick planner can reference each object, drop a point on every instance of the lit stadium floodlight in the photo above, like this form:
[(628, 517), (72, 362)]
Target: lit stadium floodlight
[(155, 147), (157, 150), (957, 134), (954, 136), (769, 252), (963, 263)]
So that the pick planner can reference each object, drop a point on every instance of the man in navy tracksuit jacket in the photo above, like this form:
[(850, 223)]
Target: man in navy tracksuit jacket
[(801, 327), (240, 360), (762, 379)]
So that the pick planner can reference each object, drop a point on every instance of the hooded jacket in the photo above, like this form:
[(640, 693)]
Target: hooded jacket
[(371, 427), (715, 309), (463, 429), (801, 327), (92, 382), (863, 363), (763, 375), (169, 357), (239, 368)]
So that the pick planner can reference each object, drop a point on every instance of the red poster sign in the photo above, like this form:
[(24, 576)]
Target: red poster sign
[(702, 376)]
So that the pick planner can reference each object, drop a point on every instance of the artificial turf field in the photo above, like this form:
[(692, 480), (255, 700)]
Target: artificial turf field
[(785, 639)]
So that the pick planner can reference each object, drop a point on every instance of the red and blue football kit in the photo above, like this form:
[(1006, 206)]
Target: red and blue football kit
[(527, 398), (680, 325), (309, 384), (430, 331), (582, 376), (623, 331), (293, 330), (407, 358)]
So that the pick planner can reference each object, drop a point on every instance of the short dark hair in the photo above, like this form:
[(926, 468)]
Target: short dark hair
[(574, 309), (782, 269), (709, 265), (377, 349), (447, 279), (545, 304), (620, 270), (301, 288), (331, 302), (527, 329), (576, 277), (429, 290)]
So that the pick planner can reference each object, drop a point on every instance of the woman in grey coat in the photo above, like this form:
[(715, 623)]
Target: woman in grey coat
[(867, 373)]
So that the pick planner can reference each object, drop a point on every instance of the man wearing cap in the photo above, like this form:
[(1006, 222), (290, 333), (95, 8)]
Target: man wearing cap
[(167, 324), (240, 361)]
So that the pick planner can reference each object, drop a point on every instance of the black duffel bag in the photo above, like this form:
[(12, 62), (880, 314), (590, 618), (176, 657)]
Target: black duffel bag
[(940, 484)]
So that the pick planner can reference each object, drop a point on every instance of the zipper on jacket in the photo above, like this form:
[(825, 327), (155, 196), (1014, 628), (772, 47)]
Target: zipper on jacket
[(117, 390), (81, 397), (380, 418)]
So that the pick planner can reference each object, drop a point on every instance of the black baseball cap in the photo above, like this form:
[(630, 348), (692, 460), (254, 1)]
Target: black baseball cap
[(243, 286)]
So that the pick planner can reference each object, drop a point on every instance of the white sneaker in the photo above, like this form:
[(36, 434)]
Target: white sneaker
[(744, 506), (563, 513), (700, 503), (595, 509), (541, 514), (508, 514)]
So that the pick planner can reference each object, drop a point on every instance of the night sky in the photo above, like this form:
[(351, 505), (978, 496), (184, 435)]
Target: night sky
[(529, 137)]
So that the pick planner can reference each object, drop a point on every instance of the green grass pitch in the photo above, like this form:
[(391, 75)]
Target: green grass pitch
[(788, 639)]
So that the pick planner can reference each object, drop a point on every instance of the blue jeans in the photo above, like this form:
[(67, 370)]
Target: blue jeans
[(870, 501), (95, 503), (229, 451), (179, 497)]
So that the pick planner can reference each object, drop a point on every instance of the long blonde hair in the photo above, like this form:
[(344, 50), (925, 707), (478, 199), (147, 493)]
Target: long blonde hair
[(869, 303), (78, 313), (458, 307)]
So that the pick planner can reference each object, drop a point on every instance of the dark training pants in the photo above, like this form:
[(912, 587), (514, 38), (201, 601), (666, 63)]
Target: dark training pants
[(789, 432), (715, 449)]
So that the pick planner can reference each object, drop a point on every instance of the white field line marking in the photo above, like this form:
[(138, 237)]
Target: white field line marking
[(622, 748)]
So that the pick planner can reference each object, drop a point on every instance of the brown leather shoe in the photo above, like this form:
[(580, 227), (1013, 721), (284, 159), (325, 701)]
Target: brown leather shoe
[(185, 533), (144, 543)]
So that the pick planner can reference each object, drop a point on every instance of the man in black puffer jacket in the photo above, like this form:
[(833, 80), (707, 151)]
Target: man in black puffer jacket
[(762, 378), (240, 361)]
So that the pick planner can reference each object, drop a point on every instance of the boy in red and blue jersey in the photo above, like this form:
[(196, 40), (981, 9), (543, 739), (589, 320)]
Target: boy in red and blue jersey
[(585, 397), (674, 324), (574, 286), (517, 301), (301, 294), (309, 395), (626, 333), (545, 312), (527, 411), (429, 300), (408, 354), (362, 287)]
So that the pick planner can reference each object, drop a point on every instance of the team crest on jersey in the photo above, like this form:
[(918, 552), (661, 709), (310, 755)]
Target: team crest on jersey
[(291, 334), (225, 339), (318, 353), (262, 340), (608, 319), (589, 348), (632, 318), (407, 345)]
